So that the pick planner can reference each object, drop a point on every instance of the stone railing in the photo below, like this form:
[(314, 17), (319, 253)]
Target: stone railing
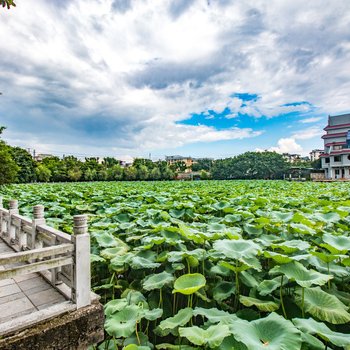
[(62, 259)]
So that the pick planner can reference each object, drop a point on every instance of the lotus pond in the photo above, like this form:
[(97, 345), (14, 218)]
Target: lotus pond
[(229, 265)]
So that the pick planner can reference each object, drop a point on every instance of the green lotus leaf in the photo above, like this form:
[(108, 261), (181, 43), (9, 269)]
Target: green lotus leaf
[(151, 315), (268, 286), (327, 258), (250, 279), (237, 249), (105, 239), (324, 306), (326, 217), (232, 218), (230, 343), (96, 258), (114, 305), (340, 243), (213, 336), (311, 326), (270, 333), (279, 258), (157, 281), (252, 230), (214, 315), (110, 253), (220, 271), (312, 342), (122, 217), (303, 229), (144, 260), (189, 283), (332, 268), (223, 290), (118, 262), (291, 246), (346, 261), (235, 268), (136, 347), (304, 277), (180, 319), (262, 305), (122, 323)]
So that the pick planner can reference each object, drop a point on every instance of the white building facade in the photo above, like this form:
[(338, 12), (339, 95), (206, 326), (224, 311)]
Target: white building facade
[(336, 156)]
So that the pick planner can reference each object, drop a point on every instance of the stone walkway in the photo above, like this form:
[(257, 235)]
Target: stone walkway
[(25, 294)]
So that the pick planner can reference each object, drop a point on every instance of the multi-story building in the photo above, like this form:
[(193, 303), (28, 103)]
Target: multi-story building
[(336, 156), (173, 159), (291, 158), (315, 154)]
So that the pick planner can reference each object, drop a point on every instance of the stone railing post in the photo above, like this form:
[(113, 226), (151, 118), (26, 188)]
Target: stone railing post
[(11, 229), (38, 219), (81, 270)]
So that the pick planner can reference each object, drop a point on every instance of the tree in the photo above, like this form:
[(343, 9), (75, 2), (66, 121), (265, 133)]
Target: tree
[(57, 167), (26, 164), (7, 3), (251, 165), (130, 173), (75, 173), (142, 172), (8, 167), (43, 174), (202, 164), (155, 174), (115, 173), (168, 174)]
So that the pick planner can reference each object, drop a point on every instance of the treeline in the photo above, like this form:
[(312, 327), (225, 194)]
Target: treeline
[(17, 165)]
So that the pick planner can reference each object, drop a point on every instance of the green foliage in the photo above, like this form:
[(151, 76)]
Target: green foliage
[(26, 164), (251, 165), (8, 167), (212, 264), (7, 3)]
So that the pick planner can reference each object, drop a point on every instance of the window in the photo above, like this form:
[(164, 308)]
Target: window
[(337, 147), (337, 158), (349, 156), (336, 171), (326, 160)]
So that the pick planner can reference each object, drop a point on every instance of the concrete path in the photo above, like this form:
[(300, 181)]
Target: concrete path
[(25, 294)]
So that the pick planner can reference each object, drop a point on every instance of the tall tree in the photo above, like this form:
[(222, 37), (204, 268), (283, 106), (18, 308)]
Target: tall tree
[(26, 164), (8, 167)]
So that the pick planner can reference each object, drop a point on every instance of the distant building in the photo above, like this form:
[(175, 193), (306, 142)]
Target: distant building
[(315, 154), (173, 159), (189, 161), (291, 158), (41, 156), (336, 156)]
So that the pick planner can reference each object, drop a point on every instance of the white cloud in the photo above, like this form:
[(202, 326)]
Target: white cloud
[(72, 69), (287, 145), (308, 133), (311, 120)]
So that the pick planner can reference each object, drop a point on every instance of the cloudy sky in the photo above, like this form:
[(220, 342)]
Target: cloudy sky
[(192, 77)]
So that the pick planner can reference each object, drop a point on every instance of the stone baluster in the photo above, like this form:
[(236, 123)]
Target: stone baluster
[(81, 269), (11, 229), (38, 219)]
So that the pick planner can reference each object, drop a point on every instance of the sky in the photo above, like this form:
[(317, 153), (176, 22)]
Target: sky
[(201, 78)]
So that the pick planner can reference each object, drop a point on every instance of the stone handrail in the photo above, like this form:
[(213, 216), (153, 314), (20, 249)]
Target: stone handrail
[(62, 259)]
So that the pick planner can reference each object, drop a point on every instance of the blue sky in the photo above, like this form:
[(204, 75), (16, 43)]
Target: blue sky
[(128, 78)]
